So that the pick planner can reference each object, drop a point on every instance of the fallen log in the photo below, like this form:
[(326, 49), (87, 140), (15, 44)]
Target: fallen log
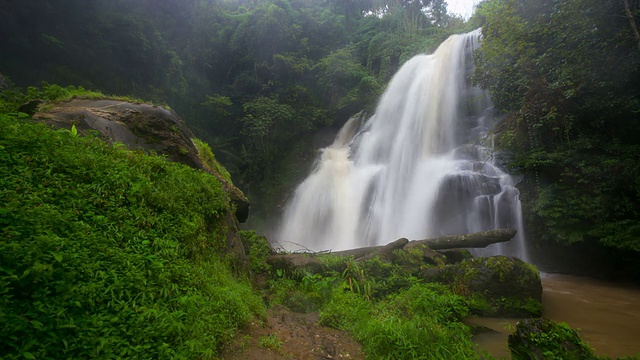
[(385, 251), (310, 262), (473, 240)]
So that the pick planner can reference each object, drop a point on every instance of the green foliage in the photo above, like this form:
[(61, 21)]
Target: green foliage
[(254, 79), (307, 294), (544, 339), (390, 312), (258, 250), (12, 98), (209, 160), (271, 342), (565, 73), (421, 322), (344, 80), (108, 253)]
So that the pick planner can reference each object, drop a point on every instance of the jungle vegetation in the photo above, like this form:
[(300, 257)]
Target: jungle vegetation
[(103, 255), (566, 74)]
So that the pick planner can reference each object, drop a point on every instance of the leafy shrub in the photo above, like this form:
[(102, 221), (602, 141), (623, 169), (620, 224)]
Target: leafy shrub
[(209, 160), (107, 253), (418, 323), (345, 311), (271, 342), (305, 295), (258, 250), (545, 339)]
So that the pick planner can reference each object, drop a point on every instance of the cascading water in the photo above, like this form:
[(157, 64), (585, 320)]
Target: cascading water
[(421, 167)]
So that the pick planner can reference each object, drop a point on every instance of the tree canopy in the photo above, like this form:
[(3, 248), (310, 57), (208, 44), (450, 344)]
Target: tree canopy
[(566, 73), (248, 76)]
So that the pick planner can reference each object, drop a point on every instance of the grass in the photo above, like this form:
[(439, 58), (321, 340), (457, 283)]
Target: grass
[(107, 253), (271, 342), (391, 313), (12, 98)]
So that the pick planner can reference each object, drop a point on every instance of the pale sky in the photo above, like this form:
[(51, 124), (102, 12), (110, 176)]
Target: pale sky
[(462, 7)]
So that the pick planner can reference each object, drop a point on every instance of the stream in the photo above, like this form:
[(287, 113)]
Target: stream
[(606, 314)]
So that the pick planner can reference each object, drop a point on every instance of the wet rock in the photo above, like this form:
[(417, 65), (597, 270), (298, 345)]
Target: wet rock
[(499, 285), (429, 256), (544, 339)]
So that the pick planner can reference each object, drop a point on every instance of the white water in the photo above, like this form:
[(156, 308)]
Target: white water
[(421, 167)]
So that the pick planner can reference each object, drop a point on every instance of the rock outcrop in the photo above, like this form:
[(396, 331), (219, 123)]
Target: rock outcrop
[(140, 126), (500, 285), (155, 130), (544, 339)]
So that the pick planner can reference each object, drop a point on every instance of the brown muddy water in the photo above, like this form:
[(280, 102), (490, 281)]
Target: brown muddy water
[(606, 315)]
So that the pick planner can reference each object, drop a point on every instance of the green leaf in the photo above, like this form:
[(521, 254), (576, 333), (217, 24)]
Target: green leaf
[(28, 355), (37, 324), (74, 131), (57, 256)]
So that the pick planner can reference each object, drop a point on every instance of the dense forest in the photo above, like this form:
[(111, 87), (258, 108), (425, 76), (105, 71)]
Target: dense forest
[(567, 76), (261, 81), (247, 76), (110, 253)]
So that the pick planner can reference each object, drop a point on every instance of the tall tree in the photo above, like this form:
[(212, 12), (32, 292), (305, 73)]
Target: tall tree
[(567, 73)]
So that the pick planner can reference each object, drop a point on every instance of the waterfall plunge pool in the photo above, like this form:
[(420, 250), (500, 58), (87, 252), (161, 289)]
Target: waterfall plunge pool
[(605, 314)]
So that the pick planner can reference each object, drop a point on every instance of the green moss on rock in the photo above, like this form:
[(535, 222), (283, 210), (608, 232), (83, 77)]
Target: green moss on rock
[(543, 339), (508, 286)]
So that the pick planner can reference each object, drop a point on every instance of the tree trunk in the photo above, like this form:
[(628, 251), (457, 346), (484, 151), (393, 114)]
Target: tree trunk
[(632, 21), (475, 240), (311, 263)]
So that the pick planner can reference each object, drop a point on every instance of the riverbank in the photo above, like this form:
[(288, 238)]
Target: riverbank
[(606, 315)]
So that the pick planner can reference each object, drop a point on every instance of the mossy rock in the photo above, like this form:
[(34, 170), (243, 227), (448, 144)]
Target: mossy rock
[(498, 285), (424, 254), (546, 340), (455, 256), (146, 127)]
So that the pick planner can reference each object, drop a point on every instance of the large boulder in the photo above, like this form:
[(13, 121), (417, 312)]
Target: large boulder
[(152, 129), (498, 285), (140, 126), (544, 339)]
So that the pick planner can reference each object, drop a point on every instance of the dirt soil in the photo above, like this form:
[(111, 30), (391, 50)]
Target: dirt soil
[(299, 335)]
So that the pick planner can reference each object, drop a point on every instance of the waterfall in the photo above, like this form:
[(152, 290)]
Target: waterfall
[(422, 166)]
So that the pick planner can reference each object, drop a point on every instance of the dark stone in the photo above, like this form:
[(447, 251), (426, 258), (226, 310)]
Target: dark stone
[(455, 256), (456, 194), (30, 107), (501, 286), (138, 126), (544, 339), (242, 209)]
